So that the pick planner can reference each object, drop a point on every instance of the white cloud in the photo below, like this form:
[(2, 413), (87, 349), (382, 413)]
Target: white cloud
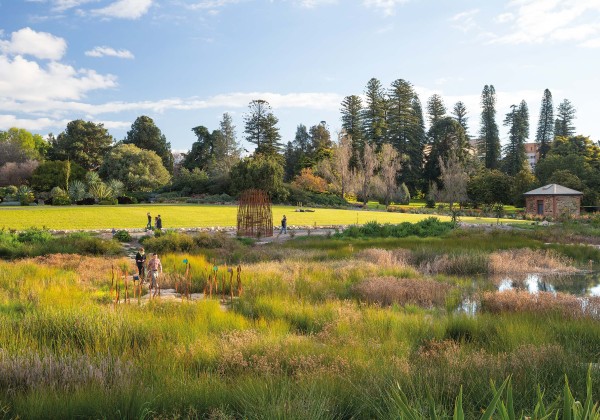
[(538, 21), (591, 43), (504, 17), (211, 5), (465, 21), (26, 81), (109, 52), (33, 124), (41, 45), (311, 4), (388, 7), (125, 9), (62, 5)]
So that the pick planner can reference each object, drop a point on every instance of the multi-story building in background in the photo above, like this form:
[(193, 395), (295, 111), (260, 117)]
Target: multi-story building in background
[(532, 151)]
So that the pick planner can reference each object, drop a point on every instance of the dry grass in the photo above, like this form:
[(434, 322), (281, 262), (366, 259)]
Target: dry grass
[(390, 290), (384, 257), (544, 303), (527, 261), (88, 269)]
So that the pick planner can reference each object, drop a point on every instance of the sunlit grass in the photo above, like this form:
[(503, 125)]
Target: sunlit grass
[(190, 215)]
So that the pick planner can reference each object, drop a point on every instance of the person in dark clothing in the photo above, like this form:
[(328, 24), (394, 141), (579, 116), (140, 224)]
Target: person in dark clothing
[(158, 222), (149, 225), (140, 261), (283, 225)]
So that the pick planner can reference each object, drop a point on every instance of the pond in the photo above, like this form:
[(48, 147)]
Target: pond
[(580, 284)]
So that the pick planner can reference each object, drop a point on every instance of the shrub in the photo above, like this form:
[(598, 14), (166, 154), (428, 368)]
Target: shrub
[(310, 182), (124, 199), (122, 236), (109, 202), (88, 201), (427, 227), (25, 195)]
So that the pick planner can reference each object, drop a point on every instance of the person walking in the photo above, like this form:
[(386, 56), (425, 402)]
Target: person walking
[(154, 268), (283, 225), (140, 261), (158, 222), (149, 225)]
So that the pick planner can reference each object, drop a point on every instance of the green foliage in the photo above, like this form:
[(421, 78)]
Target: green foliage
[(565, 114), (489, 187), (77, 191), (138, 169), (25, 195), (83, 143), (518, 122), (189, 182), (261, 128), (490, 140), (428, 227), (19, 145), (147, 136), (545, 130), (308, 198), (259, 171), (34, 242), (122, 236), (52, 174), (59, 197), (447, 137)]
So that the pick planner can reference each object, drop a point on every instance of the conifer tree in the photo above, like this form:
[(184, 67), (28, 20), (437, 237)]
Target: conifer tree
[(435, 109), (401, 116), (489, 137), (545, 130), (412, 173), (261, 128), (352, 124), (447, 137), (146, 135), (226, 150), (563, 126), (459, 112), (518, 122), (374, 118)]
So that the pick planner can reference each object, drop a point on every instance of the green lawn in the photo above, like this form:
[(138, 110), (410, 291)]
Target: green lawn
[(187, 215)]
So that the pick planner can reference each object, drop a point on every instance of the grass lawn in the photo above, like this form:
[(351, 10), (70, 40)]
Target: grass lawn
[(188, 215)]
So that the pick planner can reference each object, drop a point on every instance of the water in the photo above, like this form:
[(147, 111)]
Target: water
[(580, 284)]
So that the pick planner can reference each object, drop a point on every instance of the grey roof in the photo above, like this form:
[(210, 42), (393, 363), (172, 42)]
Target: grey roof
[(553, 189)]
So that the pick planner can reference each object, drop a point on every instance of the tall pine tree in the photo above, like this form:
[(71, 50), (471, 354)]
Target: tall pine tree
[(261, 128), (489, 137), (436, 109), (226, 150), (412, 174), (352, 124), (401, 116), (563, 126), (545, 130), (146, 135), (518, 122), (374, 118), (459, 112)]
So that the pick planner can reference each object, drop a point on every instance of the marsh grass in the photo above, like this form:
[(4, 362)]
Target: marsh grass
[(389, 290), (526, 260), (297, 343)]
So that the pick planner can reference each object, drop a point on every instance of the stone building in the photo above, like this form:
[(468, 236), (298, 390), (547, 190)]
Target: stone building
[(553, 200)]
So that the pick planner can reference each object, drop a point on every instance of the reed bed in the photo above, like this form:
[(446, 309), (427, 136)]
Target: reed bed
[(390, 290), (541, 303), (527, 260)]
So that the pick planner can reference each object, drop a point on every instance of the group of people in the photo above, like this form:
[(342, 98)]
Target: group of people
[(157, 222), (152, 268)]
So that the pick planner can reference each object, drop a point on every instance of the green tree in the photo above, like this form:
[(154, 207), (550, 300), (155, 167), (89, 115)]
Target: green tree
[(226, 150), (138, 169), (518, 122), (412, 173), (374, 114), (447, 137), (352, 125), (522, 182), (320, 143), (202, 151), (489, 138), (146, 135), (83, 143), (402, 119), (489, 187), (259, 171), (568, 179), (19, 145), (261, 128), (436, 109), (545, 130), (56, 173), (459, 112), (563, 126)]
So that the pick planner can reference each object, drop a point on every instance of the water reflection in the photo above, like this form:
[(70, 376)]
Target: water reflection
[(581, 284)]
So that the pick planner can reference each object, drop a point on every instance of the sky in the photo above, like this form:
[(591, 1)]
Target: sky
[(186, 62)]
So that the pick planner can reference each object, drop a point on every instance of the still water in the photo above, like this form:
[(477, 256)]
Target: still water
[(581, 284)]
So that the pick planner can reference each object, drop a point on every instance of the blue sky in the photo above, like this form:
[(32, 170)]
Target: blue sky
[(186, 62)]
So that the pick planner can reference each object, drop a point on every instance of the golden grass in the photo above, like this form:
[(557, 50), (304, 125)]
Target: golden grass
[(543, 303), (384, 257), (527, 260), (390, 290)]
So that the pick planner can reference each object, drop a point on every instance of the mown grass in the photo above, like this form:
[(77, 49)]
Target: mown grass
[(311, 337), (189, 215)]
